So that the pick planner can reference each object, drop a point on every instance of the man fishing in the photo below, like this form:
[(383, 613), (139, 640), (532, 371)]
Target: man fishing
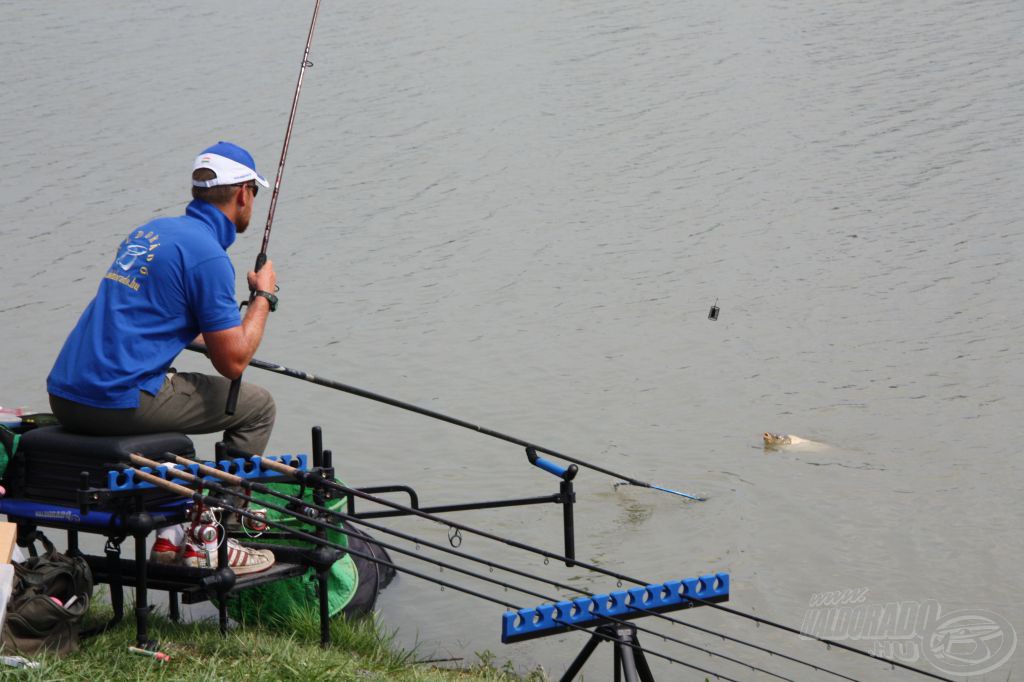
[(172, 282)]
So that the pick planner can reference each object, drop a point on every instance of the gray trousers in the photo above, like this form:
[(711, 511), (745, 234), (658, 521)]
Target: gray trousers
[(189, 403)]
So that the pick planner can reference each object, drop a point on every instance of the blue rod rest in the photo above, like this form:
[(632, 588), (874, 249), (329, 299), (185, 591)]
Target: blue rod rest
[(549, 619), (564, 473), (250, 468)]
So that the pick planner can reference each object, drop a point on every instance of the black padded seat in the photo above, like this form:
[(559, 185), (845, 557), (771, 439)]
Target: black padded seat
[(49, 462)]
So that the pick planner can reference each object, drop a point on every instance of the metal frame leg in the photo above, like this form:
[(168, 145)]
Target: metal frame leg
[(173, 610), (141, 593), (323, 571)]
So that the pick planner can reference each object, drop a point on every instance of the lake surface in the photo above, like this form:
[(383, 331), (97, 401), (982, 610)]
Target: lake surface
[(519, 214)]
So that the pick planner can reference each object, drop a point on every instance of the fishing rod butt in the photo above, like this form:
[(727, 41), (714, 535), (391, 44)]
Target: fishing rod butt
[(232, 404), (318, 446)]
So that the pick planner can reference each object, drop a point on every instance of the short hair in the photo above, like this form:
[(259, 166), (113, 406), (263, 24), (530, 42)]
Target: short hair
[(218, 194)]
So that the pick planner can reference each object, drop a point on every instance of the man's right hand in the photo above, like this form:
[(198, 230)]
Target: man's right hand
[(265, 279)]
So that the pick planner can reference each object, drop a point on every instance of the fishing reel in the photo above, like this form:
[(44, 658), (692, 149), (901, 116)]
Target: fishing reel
[(205, 531)]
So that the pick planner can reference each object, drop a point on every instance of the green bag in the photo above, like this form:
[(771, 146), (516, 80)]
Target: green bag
[(9, 438), (8, 444), (35, 621), (279, 600)]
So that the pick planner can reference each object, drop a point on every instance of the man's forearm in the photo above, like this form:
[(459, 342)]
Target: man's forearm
[(230, 350), (253, 326)]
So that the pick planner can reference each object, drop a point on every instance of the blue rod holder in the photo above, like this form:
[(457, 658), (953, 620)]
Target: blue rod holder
[(565, 473), (247, 468), (549, 619)]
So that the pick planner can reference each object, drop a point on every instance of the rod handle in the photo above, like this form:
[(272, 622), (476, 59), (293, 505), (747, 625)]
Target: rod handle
[(232, 404), (161, 483), (139, 460), (278, 467), (212, 472), (174, 471)]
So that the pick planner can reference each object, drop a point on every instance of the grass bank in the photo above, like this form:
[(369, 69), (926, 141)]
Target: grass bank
[(289, 651)]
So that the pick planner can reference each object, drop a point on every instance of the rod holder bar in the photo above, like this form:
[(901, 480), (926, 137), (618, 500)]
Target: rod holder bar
[(549, 619), (246, 468)]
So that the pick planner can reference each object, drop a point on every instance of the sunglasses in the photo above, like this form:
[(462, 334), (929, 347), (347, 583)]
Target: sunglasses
[(251, 185)]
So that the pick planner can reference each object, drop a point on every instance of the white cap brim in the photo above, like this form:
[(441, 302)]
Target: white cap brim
[(229, 171)]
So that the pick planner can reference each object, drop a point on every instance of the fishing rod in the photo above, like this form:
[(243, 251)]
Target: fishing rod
[(362, 393), (259, 487), (284, 469), (197, 496), (827, 642), (311, 520), (233, 480), (261, 258), (298, 475)]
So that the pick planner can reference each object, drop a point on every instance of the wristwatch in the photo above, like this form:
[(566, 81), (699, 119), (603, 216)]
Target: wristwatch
[(271, 299)]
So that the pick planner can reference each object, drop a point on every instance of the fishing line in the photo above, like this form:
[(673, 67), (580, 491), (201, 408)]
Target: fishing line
[(235, 480), (197, 496)]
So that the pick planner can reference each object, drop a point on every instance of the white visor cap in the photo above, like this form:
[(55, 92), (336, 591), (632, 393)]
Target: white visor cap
[(229, 171)]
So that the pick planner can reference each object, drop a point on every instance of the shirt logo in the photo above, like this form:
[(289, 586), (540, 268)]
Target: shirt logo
[(134, 259), (129, 254)]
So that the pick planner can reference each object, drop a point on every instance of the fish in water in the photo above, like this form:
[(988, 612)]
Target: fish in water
[(774, 441)]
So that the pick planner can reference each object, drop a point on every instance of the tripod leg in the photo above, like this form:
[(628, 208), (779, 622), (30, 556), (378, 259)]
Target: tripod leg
[(642, 668), (581, 658), (624, 654), (629, 656)]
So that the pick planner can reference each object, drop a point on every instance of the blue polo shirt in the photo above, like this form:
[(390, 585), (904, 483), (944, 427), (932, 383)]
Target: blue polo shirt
[(171, 280)]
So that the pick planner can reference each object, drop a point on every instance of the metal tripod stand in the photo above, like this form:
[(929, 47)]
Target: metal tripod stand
[(630, 662)]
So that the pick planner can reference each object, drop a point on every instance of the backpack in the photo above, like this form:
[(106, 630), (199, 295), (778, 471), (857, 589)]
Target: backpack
[(34, 620)]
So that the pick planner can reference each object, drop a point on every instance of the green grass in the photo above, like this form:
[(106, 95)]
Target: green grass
[(287, 651)]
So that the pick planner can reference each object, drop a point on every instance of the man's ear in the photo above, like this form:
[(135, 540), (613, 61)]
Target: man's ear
[(240, 195)]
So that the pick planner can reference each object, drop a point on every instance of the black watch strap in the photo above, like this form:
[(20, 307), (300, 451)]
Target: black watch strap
[(271, 299)]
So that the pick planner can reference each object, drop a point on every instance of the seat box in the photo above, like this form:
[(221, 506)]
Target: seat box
[(49, 462)]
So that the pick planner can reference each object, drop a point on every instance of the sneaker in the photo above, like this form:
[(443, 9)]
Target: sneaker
[(241, 560), (165, 552)]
